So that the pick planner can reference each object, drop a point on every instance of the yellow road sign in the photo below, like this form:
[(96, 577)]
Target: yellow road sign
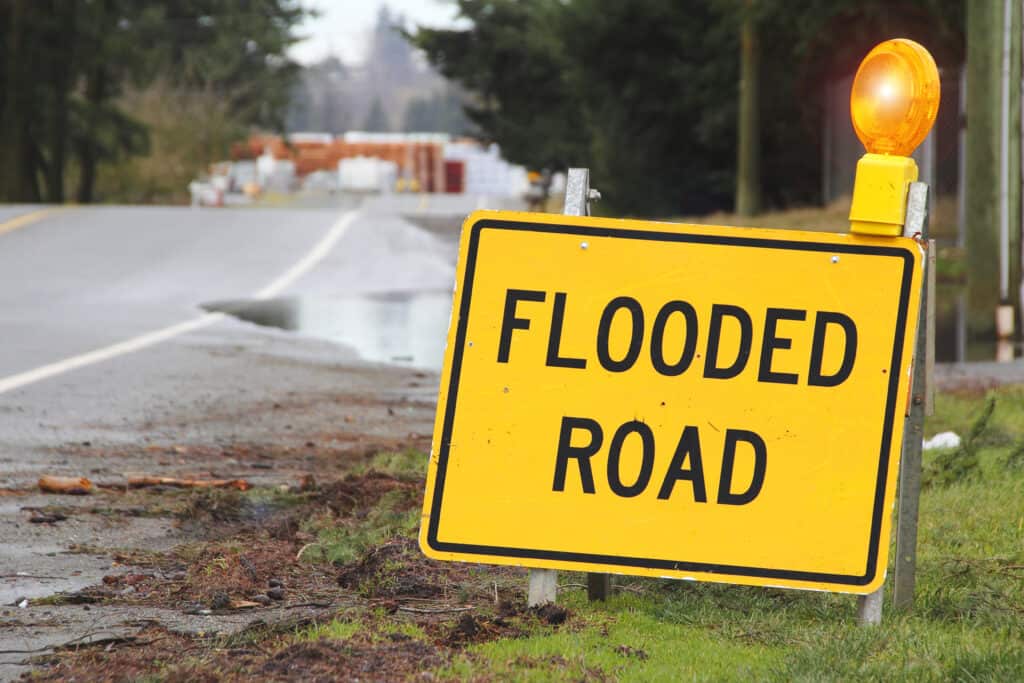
[(721, 404)]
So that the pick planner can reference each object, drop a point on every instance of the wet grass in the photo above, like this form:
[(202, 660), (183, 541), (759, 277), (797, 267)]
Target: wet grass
[(343, 541), (379, 500), (374, 628), (967, 623), (462, 622)]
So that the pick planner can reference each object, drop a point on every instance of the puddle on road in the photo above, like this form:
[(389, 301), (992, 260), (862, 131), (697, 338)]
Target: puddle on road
[(404, 328), (410, 328)]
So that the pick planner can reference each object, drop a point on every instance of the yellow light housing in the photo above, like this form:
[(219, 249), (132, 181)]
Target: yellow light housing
[(895, 97)]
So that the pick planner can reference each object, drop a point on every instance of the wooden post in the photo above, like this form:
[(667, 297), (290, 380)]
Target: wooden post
[(544, 582)]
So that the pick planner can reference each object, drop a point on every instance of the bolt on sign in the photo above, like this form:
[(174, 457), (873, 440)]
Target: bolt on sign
[(695, 402)]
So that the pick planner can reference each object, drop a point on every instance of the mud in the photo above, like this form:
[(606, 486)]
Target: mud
[(239, 404), (248, 582)]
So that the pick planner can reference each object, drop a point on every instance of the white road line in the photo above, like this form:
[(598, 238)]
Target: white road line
[(311, 259), (315, 255)]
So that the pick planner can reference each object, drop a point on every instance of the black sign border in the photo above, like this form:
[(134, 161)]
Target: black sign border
[(654, 563)]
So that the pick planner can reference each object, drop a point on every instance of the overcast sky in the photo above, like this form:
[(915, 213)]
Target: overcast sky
[(344, 25)]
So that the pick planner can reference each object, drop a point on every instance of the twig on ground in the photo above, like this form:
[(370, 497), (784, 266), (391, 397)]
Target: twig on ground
[(71, 643), (442, 610), (303, 549), (310, 604), (22, 575)]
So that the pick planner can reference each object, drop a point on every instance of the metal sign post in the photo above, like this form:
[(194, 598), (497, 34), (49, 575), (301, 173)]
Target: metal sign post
[(544, 582), (869, 607)]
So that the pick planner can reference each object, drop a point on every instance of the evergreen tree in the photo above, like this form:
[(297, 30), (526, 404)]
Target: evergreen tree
[(377, 119), (68, 63), (441, 112), (645, 92)]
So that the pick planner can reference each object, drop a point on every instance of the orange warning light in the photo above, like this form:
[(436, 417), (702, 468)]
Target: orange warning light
[(895, 97)]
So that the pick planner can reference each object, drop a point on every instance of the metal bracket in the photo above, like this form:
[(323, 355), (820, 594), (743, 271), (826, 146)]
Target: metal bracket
[(578, 193), (916, 221)]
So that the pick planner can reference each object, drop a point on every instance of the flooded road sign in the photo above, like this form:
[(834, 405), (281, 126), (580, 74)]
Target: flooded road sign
[(668, 400)]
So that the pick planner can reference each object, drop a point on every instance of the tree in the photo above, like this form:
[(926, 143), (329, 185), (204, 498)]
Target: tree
[(106, 51), (68, 63), (748, 162), (390, 60), (320, 99), (18, 162), (645, 92), (514, 65), (377, 119), (654, 80), (441, 112)]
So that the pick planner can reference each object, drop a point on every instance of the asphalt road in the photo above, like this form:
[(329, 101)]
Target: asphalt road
[(81, 279), (110, 364)]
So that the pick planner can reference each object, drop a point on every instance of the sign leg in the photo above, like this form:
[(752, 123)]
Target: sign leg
[(577, 203), (869, 608), (543, 587), (599, 586), (910, 464)]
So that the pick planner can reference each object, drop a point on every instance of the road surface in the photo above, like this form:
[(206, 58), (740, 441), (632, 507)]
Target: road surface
[(111, 365)]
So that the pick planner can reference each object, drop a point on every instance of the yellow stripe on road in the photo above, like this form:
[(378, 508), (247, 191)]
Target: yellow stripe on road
[(24, 219)]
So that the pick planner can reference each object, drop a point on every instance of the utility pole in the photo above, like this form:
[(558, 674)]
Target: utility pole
[(992, 256), (748, 161)]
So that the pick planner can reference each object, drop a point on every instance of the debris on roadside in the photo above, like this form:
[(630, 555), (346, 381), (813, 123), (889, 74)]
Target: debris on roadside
[(142, 481), (551, 613), (942, 440), (46, 517), (244, 604), (75, 486)]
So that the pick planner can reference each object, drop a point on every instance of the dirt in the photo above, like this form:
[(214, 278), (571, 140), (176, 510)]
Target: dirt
[(360, 657), (243, 561)]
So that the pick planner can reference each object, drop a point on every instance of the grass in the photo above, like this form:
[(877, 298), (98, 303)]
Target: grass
[(967, 624), (834, 217), (375, 629), (629, 639), (340, 543), (344, 541)]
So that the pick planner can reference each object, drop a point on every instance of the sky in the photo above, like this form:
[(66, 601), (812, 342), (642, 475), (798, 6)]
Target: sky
[(344, 26)]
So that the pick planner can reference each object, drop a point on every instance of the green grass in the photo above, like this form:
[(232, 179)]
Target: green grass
[(344, 541), (834, 217), (629, 639), (396, 513), (967, 623), (407, 464)]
